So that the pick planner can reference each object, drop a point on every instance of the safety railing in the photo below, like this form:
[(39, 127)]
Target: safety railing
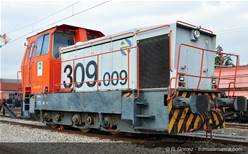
[(229, 89), (200, 76), (231, 80)]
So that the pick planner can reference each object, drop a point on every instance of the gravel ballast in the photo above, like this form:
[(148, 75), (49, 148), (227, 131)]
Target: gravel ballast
[(16, 133), (15, 138)]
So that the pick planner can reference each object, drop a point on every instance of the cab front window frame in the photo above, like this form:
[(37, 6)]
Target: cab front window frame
[(61, 39), (42, 45)]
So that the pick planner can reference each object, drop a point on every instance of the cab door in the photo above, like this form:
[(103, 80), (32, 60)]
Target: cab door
[(26, 66), (29, 62), (40, 64)]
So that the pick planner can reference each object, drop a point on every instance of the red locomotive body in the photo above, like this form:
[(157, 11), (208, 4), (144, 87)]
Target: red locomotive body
[(41, 69)]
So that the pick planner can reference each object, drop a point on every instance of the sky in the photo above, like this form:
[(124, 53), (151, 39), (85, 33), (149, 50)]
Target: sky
[(229, 20)]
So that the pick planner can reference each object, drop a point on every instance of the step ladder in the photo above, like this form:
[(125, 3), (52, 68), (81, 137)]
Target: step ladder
[(140, 116), (26, 106)]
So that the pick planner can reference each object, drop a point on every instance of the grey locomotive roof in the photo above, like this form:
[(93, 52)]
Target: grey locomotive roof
[(128, 33), (98, 40)]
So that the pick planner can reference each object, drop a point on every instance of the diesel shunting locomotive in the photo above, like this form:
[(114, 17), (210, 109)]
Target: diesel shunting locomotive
[(157, 79)]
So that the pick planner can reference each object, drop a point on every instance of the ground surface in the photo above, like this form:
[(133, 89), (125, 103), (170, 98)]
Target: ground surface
[(15, 133), (22, 139), (232, 131)]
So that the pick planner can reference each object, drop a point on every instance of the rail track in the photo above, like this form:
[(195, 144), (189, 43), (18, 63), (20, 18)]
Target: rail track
[(156, 140), (236, 125)]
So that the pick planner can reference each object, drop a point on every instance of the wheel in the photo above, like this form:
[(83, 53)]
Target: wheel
[(115, 132), (60, 128), (53, 126), (56, 127), (85, 130)]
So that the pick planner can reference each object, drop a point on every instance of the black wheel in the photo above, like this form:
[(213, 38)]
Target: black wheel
[(53, 126), (85, 130)]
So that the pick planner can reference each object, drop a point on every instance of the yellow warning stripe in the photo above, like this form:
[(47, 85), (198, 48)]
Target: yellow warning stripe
[(189, 121), (180, 123), (215, 119), (210, 94), (175, 112), (172, 120), (202, 119), (205, 126), (210, 121), (196, 124)]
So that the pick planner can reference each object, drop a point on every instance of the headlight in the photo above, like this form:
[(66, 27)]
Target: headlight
[(181, 78), (196, 34), (213, 81)]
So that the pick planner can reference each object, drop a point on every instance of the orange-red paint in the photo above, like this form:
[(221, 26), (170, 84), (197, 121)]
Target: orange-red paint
[(51, 68)]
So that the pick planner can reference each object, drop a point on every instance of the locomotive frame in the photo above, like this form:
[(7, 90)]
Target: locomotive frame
[(143, 101)]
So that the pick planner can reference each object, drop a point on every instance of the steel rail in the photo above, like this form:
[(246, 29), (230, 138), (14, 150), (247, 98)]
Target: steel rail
[(139, 138)]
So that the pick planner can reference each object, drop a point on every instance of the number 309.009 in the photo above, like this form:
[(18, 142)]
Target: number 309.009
[(108, 78)]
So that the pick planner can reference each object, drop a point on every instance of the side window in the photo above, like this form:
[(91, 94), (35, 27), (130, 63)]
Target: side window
[(39, 46), (31, 50), (42, 45), (45, 45), (61, 40)]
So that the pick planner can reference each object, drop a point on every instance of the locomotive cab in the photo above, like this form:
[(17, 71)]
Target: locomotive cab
[(41, 67), (41, 64)]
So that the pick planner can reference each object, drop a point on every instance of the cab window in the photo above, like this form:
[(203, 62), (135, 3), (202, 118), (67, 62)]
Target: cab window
[(39, 46), (31, 50), (42, 45), (61, 39)]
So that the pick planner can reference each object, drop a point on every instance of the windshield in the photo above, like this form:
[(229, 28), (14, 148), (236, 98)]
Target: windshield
[(61, 39)]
